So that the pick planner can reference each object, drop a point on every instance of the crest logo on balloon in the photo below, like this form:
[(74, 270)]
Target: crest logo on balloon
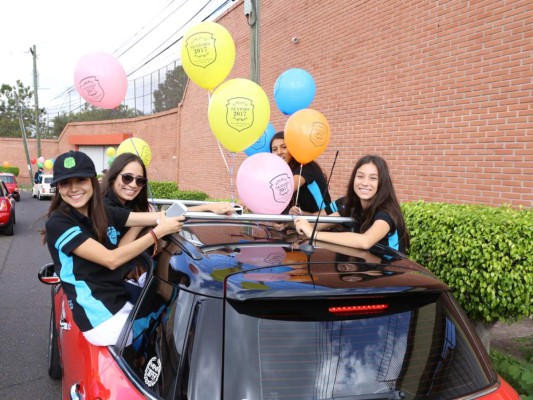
[(201, 49), (319, 135), (240, 113), (92, 91), (282, 189)]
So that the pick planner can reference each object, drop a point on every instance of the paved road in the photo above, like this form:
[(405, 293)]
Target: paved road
[(25, 308)]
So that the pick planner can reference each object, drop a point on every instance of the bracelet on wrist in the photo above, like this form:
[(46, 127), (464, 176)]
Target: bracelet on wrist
[(154, 236)]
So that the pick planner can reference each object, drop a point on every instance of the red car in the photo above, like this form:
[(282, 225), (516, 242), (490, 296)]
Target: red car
[(7, 211), (11, 182), (235, 310)]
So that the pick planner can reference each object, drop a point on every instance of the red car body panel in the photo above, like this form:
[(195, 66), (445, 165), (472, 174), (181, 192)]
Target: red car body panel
[(5, 211), (91, 367), (504, 392), (11, 183)]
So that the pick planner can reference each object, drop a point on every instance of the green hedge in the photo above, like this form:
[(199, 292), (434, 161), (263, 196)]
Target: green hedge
[(484, 254), (12, 170), (517, 373), (169, 190)]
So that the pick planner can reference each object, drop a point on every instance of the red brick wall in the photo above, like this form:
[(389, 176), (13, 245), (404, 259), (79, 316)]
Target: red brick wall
[(443, 90)]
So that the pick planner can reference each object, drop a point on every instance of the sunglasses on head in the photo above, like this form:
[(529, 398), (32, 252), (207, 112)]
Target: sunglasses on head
[(129, 178)]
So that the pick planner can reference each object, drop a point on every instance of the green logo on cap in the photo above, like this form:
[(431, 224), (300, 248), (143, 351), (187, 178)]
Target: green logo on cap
[(69, 162)]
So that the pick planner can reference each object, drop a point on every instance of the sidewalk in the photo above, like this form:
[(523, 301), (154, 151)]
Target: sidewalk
[(503, 335)]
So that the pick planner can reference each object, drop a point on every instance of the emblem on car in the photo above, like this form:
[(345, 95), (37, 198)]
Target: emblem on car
[(152, 371)]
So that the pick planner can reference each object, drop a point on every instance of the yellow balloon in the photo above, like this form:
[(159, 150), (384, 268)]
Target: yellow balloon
[(136, 146), (207, 54), (238, 113), (48, 164), (110, 151)]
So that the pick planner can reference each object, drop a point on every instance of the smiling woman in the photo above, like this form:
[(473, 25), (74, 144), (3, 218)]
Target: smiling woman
[(83, 238), (372, 203)]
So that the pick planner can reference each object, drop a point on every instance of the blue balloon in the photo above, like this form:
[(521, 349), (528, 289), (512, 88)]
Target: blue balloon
[(262, 145), (294, 90)]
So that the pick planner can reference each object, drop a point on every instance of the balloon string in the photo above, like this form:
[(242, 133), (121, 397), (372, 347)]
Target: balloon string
[(298, 190), (232, 189), (223, 157), (219, 147), (147, 183)]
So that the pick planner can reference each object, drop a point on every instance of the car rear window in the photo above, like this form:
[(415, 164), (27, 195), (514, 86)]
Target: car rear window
[(7, 179), (47, 179), (301, 350)]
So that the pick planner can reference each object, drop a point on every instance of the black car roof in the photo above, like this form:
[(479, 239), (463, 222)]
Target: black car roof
[(249, 259)]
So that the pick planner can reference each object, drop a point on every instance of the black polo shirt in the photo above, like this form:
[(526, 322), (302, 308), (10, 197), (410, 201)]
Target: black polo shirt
[(313, 195), (392, 239), (95, 292)]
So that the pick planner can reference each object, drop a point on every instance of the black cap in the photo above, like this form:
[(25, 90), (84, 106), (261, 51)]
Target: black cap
[(74, 164)]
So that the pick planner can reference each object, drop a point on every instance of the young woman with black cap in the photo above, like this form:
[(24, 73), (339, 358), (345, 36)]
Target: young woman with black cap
[(81, 234)]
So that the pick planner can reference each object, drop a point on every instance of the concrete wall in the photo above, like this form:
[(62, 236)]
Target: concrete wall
[(443, 90)]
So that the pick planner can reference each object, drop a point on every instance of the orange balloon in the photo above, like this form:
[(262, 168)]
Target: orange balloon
[(6, 164), (306, 134)]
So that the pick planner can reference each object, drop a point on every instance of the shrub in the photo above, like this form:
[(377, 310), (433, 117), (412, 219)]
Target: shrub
[(12, 170), (517, 373), (484, 254), (169, 190)]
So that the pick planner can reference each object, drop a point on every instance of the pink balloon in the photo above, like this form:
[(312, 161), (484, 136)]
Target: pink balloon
[(100, 80), (265, 183), (41, 159)]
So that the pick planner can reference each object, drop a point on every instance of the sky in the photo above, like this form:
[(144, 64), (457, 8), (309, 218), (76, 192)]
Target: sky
[(64, 31)]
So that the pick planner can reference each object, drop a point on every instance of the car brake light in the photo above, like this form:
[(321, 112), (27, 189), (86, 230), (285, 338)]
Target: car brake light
[(359, 310), (3, 205)]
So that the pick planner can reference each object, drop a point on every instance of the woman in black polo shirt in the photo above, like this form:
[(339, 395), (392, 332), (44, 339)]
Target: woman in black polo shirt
[(82, 238), (371, 202)]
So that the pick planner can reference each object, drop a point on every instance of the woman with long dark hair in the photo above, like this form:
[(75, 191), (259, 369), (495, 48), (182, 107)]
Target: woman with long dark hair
[(311, 192), (83, 240), (372, 204)]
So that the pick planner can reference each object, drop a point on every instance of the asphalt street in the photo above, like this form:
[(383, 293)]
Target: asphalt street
[(25, 308)]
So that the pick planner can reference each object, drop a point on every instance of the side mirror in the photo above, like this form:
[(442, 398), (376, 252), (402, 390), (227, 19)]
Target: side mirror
[(47, 275)]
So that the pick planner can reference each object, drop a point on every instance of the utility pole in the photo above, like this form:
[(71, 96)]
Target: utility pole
[(251, 11), (24, 139), (33, 51)]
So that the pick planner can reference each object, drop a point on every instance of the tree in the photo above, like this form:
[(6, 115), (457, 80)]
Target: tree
[(171, 91), (15, 101), (91, 113)]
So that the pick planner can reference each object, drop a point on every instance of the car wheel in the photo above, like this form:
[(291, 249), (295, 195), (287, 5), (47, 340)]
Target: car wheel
[(8, 230), (54, 363)]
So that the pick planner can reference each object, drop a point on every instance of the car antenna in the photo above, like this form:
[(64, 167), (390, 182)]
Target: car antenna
[(308, 248)]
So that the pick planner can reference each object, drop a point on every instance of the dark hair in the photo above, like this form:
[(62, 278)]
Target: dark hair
[(96, 209), (140, 202), (294, 165), (384, 200)]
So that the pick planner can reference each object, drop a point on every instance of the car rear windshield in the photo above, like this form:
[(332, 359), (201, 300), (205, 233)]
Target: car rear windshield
[(47, 179), (401, 347), (7, 179)]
